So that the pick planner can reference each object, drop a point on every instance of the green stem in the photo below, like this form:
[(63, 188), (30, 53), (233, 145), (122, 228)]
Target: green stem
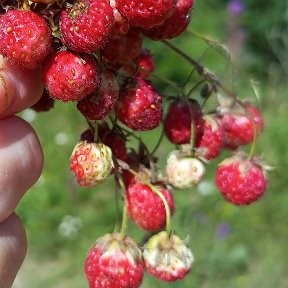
[(202, 71), (158, 143), (117, 208), (160, 195), (124, 214), (168, 82), (195, 87), (253, 146)]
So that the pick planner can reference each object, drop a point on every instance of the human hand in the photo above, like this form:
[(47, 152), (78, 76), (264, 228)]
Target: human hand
[(21, 162)]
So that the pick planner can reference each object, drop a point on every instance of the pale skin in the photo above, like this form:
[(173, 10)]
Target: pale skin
[(21, 162)]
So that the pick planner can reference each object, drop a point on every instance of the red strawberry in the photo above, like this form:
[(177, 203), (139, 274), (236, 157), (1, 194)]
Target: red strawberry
[(69, 77), (175, 24), (114, 140), (210, 144), (177, 124), (241, 181), (147, 13), (87, 25), (146, 208), (140, 106), (114, 262), (25, 38), (123, 49), (144, 61), (166, 257), (87, 135), (120, 24), (45, 103), (99, 105), (238, 126), (91, 163)]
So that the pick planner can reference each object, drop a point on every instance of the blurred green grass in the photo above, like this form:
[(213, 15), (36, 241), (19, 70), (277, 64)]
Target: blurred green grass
[(250, 254)]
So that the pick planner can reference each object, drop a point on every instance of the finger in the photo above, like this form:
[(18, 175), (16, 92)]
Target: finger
[(21, 162), (13, 248), (19, 89)]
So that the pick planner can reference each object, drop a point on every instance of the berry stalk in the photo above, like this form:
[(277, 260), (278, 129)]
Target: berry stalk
[(160, 195), (124, 213)]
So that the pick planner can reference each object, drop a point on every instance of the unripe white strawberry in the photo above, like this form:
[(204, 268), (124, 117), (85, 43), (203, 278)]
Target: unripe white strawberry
[(167, 257), (91, 163), (183, 171)]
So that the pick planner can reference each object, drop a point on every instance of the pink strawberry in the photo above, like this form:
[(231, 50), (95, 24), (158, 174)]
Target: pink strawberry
[(240, 180), (140, 106), (175, 24), (69, 77), (112, 138), (211, 142), (45, 103), (238, 126), (166, 257), (91, 163), (177, 124), (123, 49), (86, 26), (99, 105), (114, 262), (146, 208), (25, 38), (147, 13)]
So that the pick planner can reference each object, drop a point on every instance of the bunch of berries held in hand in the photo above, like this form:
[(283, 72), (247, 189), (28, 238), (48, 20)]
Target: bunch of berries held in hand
[(91, 53)]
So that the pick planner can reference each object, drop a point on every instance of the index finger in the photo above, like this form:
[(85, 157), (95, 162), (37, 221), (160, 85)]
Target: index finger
[(19, 88)]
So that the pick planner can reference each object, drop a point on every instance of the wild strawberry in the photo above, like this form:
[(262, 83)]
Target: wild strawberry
[(91, 163), (238, 126), (175, 24), (25, 38), (69, 77), (123, 49), (240, 180), (45, 103), (114, 262), (210, 144), (146, 208), (99, 105), (166, 257), (87, 135), (177, 124), (87, 25), (183, 171), (140, 106), (120, 24), (114, 140), (144, 61), (146, 13)]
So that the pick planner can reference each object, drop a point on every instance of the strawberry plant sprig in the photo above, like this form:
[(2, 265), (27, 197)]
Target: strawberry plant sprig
[(91, 53)]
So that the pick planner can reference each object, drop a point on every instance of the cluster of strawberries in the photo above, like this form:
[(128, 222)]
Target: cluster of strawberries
[(90, 52)]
